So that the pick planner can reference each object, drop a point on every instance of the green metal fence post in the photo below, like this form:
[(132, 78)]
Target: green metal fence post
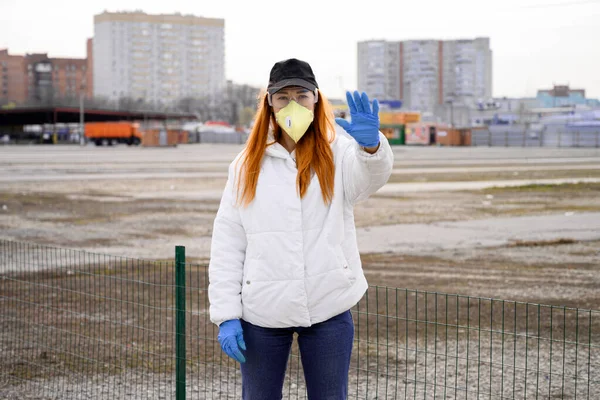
[(180, 322)]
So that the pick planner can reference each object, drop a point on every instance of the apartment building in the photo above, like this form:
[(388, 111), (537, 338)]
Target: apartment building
[(426, 74), (157, 58), (34, 78), (379, 69), (13, 84)]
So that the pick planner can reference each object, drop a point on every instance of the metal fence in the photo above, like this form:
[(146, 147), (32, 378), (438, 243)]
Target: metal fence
[(551, 136), (78, 325), (218, 137)]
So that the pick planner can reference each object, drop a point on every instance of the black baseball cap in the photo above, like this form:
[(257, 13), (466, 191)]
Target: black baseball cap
[(291, 72)]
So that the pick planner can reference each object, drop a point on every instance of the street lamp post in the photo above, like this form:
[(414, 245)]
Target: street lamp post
[(81, 119)]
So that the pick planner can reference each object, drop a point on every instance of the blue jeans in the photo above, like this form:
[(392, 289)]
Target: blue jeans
[(325, 350)]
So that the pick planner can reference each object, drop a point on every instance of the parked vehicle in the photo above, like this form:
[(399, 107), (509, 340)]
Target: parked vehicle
[(111, 133)]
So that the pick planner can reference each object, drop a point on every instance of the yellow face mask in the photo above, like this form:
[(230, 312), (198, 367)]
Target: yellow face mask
[(294, 120)]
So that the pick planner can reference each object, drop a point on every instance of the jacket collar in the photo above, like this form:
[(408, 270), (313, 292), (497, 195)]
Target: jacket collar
[(276, 149)]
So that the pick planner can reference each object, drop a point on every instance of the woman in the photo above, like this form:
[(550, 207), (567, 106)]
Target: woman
[(284, 256)]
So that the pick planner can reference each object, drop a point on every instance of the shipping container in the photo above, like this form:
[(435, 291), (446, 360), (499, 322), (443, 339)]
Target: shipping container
[(423, 133), (394, 133), (398, 118), (448, 137), (183, 137), (466, 136), (160, 138), (453, 137)]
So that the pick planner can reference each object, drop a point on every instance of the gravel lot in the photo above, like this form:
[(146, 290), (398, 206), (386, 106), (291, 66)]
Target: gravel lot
[(474, 221)]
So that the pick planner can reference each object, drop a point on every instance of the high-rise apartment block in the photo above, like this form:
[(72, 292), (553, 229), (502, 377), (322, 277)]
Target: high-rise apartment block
[(379, 69), (158, 58), (426, 73)]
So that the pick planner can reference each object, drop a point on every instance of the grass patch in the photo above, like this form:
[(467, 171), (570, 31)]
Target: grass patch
[(540, 243), (491, 176), (565, 187), (527, 211), (173, 231)]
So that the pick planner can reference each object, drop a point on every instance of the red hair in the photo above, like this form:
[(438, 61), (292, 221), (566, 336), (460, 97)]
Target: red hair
[(313, 151)]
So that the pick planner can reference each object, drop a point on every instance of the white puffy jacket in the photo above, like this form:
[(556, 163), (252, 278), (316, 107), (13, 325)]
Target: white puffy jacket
[(283, 261)]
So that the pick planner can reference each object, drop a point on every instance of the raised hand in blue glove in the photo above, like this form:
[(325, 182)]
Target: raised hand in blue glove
[(364, 127), (231, 339)]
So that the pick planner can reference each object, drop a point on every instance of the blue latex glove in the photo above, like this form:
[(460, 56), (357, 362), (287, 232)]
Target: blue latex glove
[(364, 127), (231, 339)]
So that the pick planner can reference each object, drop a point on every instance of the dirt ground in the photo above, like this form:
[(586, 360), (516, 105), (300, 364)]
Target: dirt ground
[(111, 209), (145, 217)]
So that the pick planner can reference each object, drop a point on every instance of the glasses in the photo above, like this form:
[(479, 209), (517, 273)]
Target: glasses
[(281, 100)]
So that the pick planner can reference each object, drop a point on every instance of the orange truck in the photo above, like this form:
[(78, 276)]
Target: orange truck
[(113, 132)]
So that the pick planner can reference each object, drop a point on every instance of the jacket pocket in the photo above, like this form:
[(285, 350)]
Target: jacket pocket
[(248, 293), (344, 265), (246, 278)]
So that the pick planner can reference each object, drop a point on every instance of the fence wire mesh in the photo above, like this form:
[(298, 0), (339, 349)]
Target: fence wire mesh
[(82, 325), (78, 325)]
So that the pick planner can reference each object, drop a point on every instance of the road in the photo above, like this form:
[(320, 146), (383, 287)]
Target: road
[(73, 163), (493, 232)]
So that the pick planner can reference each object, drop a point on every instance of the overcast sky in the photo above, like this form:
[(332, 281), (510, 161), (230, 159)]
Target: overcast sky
[(535, 43)]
